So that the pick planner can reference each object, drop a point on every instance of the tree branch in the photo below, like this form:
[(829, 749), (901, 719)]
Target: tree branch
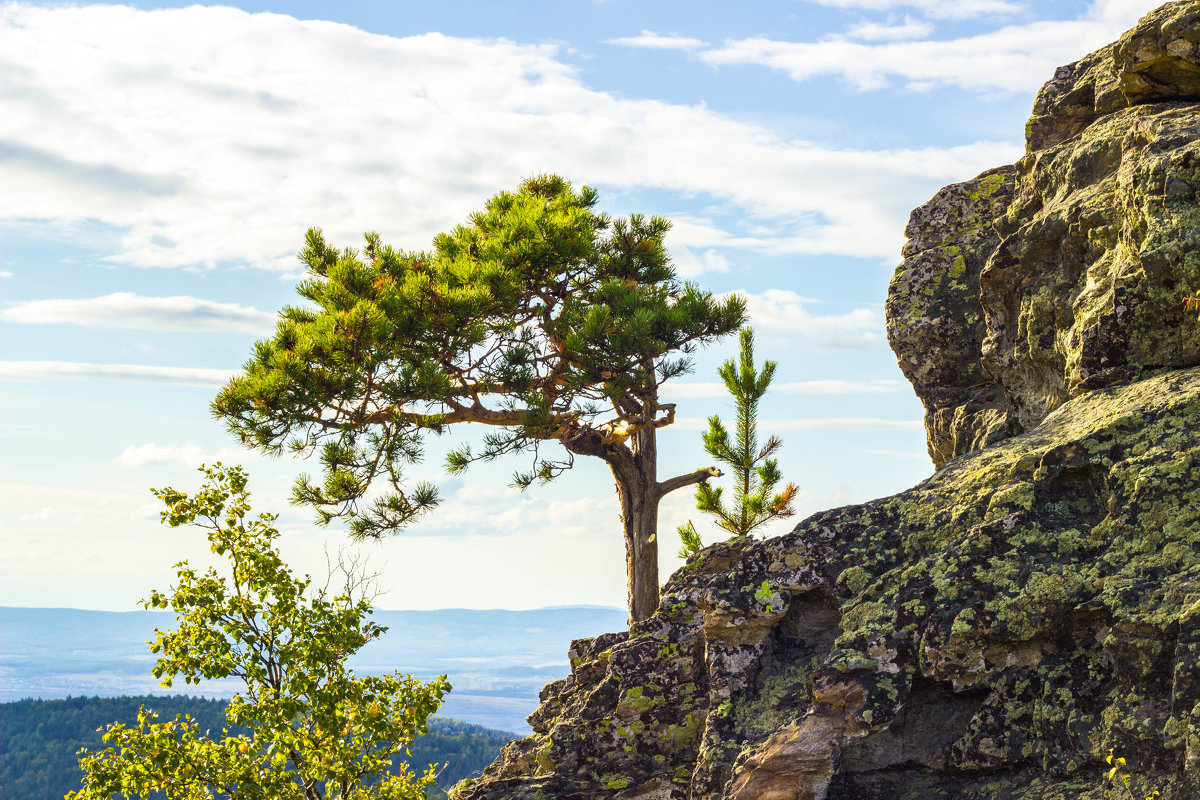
[(680, 481), (471, 413)]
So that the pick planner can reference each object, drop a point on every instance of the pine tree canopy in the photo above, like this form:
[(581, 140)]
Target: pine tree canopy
[(539, 316)]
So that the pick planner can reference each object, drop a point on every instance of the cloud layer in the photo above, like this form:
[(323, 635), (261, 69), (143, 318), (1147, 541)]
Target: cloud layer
[(784, 313), (184, 455), (817, 423), (653, 41), (697, 389), (31, 371), (210, 136), (948, 9), (129, 310), (875, 32), (1013, 58)]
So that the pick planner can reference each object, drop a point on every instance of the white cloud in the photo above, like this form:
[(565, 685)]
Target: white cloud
[(129, 310), (30, 371), (689, 233), (690, 264), (4, 273), (816, 423), (186, 455), (480, 509), (696, 389), (1013, 58), (844, 387), (806, 232), (69, 558), (874, 32), (654, 41), (207, 135), (951, 9), (784, 313)]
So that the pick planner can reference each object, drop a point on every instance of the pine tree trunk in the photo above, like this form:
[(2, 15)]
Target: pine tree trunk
[(638, 490), (634, 465), (641, 558)]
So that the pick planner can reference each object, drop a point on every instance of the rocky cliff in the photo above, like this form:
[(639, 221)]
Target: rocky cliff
[(1065, 272), (995, 630)]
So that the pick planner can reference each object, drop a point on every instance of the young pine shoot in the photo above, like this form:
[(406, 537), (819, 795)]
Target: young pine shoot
[(754, 501)]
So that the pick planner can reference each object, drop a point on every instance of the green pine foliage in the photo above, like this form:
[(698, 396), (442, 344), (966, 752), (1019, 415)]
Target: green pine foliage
[(40, 740), (305, 725), (755, 472), (540, 317), (690, 541)]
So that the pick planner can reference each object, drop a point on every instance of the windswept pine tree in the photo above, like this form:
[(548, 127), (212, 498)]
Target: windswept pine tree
[(542, 318)]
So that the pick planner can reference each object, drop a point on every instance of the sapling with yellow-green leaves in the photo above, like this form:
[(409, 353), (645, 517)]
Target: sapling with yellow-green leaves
[(304, 727), (1118, 774)]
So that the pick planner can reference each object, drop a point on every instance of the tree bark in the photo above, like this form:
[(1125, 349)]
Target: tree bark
[(640, 492), (637, 489)]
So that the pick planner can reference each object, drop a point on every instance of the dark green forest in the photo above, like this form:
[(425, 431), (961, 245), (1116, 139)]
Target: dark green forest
[(39, 740)]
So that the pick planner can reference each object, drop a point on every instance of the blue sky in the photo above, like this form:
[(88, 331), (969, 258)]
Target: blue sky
[(162, 162)]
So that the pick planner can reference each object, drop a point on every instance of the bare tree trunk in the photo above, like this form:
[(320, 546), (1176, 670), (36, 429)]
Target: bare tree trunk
[(640, 492), (634, 465), (637, 489)]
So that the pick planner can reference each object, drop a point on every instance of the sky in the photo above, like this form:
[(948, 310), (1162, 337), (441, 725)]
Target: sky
[(161, 163)]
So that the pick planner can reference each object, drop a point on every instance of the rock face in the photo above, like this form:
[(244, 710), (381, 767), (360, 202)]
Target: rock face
[(1032, 284), (989, 633), (995, 630)]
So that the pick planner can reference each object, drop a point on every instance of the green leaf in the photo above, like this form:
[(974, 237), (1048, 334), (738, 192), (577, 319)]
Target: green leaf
[(289, 646)]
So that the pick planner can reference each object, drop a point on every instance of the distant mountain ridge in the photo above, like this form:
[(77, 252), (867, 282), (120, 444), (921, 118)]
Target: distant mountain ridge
[(497, 659)]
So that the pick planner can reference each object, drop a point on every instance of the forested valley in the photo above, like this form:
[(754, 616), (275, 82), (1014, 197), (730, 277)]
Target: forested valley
[(39, 740)]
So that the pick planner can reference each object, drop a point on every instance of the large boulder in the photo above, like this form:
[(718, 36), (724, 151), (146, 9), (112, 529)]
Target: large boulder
[(995, 631), (1035, 283)]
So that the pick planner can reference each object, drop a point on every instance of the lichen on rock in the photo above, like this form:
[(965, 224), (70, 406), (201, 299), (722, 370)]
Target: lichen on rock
[(990, 632), (1032, 284), (993, 631)]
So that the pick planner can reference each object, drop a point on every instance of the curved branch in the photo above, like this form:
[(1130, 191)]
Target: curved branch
[(680, 481)]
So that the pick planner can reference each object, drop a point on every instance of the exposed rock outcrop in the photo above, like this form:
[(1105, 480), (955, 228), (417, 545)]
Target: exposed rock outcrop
[(1032, 284), (993, 631), (989, 633)]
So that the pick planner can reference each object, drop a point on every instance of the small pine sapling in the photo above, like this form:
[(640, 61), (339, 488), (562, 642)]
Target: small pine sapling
[(756, 473), (690, 541)]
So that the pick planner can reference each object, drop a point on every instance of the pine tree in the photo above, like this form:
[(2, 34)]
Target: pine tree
[(756, 473), (540, 317)]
